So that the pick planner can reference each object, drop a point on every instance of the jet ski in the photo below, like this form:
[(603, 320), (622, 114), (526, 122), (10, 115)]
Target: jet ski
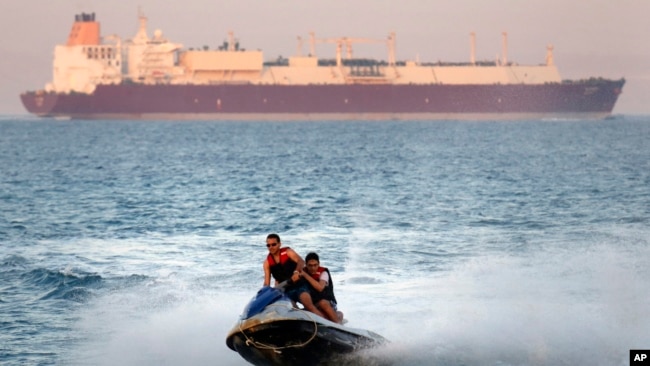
[(272, 331)]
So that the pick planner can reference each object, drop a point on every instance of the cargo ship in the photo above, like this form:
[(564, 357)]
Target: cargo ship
[(150, 77)]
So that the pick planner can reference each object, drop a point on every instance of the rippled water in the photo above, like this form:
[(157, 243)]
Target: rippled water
[(490, 243)]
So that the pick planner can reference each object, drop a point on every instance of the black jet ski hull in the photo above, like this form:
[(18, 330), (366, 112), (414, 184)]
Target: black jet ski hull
[(297, 342), (271, 331)]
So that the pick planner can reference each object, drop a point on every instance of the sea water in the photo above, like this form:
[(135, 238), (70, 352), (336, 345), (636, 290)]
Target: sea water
[(463, 243)]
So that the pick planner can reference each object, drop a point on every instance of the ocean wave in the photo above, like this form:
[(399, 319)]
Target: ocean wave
[(12, 262), (364, 280), (65, 284), (62, 285), (77, 294)]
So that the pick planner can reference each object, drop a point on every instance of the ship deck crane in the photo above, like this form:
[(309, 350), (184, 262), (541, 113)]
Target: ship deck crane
[(347, 42)]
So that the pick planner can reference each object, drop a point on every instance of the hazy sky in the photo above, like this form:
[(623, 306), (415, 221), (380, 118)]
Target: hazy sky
[(608, 38)]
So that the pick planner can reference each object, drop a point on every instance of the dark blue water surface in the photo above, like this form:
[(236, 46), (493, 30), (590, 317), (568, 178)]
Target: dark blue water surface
[(487, 243)]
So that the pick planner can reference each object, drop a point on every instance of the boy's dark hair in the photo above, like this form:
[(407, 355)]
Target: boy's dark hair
[(274, 236), (312, 256)]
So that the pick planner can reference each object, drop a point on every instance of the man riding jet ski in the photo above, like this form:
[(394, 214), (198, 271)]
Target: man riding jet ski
[(273, 331)]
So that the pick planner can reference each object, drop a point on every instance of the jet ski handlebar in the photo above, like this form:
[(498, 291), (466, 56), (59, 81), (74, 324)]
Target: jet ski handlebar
[(282, 285)]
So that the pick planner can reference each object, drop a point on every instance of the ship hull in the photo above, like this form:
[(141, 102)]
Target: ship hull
[(571, 100)]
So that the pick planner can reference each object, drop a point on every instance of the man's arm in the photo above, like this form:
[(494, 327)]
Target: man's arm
[(300, 264), (267, 273)]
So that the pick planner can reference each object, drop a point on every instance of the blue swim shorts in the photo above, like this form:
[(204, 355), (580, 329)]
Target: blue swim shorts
[(295, 290)]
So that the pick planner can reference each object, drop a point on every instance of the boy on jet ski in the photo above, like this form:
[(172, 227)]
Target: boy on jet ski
[(321, 288)]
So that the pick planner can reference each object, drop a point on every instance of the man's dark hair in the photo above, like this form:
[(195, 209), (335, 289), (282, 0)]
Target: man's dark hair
[(274, 236), (312, 256)]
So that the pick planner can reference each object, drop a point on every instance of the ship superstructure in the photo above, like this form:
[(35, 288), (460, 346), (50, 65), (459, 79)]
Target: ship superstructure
[(151, 77)]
